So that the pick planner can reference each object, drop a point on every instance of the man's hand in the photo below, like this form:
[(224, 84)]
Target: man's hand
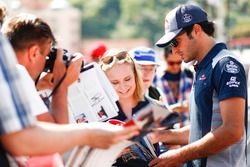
[(59, 68), (171, 136), (171, 158), (104, 135), (59, 106), (180, 107), (74, 69)]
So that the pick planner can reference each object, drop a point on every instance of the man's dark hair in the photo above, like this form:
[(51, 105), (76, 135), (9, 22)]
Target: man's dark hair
[(207, 27), (25, 30)]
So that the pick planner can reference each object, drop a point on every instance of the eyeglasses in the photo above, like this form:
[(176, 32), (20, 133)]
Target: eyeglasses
[(171, 63), (173, 43)]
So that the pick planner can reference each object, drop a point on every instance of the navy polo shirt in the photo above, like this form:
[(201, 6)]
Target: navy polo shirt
[(219, 76), (121, 115)]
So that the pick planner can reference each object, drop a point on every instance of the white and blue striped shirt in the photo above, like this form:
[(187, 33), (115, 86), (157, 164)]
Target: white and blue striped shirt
[(15, 106)]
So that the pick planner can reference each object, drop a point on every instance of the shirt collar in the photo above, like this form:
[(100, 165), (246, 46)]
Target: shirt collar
[(210, 55)]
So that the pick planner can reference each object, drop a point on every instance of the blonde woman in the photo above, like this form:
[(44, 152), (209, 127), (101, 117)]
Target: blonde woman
[(126, 80)]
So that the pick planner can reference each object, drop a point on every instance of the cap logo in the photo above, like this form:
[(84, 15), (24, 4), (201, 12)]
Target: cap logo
[(186, 18)]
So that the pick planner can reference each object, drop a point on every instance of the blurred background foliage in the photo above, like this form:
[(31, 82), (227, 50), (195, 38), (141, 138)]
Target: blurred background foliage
[(238, 20), (145, 18)]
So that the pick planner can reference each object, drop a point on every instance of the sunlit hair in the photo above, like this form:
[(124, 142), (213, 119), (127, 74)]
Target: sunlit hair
[(25, 30), (2, 12), (112, 57)]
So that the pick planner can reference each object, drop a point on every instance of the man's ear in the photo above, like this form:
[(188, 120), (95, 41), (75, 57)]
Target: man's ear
[(197, 29), (33, 52)]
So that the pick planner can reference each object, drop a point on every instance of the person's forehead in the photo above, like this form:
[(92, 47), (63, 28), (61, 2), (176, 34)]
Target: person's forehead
[(181, 36), (48, 43), (119, 71), (147, 66), (173, 57)]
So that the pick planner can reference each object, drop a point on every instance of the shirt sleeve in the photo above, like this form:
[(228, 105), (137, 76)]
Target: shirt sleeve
[(37, 106), (15, 111), (230, 79)]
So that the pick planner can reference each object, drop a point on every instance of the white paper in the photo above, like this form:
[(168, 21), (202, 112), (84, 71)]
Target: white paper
[(92, 98), (88, 157)]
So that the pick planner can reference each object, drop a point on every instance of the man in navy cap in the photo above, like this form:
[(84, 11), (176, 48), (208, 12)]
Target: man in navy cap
[(218, 100)]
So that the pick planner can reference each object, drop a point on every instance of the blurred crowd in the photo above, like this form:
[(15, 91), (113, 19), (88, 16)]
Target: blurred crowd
[(209, 95)]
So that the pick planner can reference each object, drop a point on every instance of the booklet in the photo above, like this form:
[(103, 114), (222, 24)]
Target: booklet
[(92, 98), (89, 157), (150, 117)]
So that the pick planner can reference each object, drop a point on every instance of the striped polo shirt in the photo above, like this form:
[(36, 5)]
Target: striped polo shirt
[(219, 76)]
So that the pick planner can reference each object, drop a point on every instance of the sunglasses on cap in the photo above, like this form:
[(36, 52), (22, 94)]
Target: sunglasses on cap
[(171, 63)]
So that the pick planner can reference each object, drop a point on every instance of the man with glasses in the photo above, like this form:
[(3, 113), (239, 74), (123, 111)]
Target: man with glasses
[(176, 82), (218, 101)]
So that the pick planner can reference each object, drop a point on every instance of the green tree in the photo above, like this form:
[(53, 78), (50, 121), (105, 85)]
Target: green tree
[(98, 17), (238, 21), (124, 18), (145, 18)]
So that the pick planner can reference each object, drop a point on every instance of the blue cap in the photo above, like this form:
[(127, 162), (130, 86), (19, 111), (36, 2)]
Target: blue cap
[(143, 56), (179, 18)]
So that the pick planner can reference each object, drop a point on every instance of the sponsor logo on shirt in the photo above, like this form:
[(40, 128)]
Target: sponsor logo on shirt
[(233, 82), (231, 67), (203, 77)]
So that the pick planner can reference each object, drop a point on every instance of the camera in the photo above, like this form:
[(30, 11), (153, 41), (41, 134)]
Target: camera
[(50, 60)]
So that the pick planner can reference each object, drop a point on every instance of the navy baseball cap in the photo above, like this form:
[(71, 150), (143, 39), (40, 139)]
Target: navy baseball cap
[(179, 18), (143, 56)]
